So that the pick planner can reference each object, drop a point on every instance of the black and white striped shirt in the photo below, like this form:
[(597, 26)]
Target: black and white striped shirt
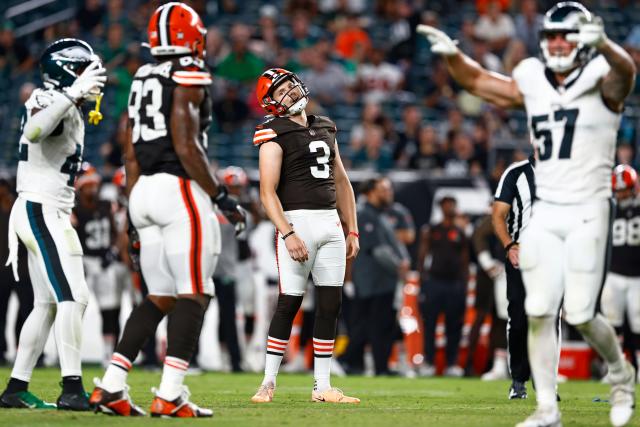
[(517, 188)]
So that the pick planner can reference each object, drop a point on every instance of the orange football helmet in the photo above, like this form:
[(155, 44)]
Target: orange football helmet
[(267, 83), (234, 176), (176, 29), (624, 177)]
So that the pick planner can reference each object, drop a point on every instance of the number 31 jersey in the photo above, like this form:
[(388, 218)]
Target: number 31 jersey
[(150, 103), (572, 130), (47, 168), (306, 174), (625, 239)]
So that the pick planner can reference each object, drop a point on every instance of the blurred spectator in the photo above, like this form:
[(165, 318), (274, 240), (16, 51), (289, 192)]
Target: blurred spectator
[(378, 80), (217, 47), (230, 111), (402, 35), (376, 272), (241, 64), (122, 77), (351, 40), (632, 44), (467, 34), (336, 7), (266, 42), (439, 92), (89, 15), (482, 6), (303, 34), (428, 156), (114, 51), (528, 24), (444, 284), (308, 7), (111, 151), (461, 159), (625, 154), (375, 154), (116, 14), (516, 52), (326, 80), (371, 116), (481, 52), (496, 27), (407, 141), (18, 54)]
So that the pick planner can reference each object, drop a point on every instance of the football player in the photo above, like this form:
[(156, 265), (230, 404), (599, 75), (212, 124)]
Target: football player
[(621, 293), (171, 189), (93, 218), (302, 183), (50, 155), (573, 97)]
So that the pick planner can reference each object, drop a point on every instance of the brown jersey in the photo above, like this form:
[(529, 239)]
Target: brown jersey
[(306, 174)]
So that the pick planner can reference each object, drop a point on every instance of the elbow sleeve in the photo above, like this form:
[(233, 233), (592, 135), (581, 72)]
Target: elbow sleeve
[(42, 123)]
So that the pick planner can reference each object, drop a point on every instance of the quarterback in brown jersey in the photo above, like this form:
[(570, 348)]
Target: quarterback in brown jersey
[(305, 192)]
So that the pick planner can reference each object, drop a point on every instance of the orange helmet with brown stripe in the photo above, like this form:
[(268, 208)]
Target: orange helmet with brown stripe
[(624, 177), (298, 94), (176, 29)]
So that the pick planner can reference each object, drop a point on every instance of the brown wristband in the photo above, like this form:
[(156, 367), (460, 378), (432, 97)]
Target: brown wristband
[(288, 234), (510, 245)]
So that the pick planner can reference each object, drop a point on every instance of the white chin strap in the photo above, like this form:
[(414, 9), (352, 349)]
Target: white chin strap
[(559, 64), (298, 106)]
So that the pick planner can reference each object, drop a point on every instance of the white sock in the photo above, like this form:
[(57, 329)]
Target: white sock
[(322, 352), (173, 375), (115, 378), (500, 360), (108, 347), (68, 335), (543, 351), (602, 337), (33, 337), (275, 352)]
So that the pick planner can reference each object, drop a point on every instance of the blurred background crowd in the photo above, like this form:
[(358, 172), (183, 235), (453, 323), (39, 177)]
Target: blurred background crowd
[(396, 109)]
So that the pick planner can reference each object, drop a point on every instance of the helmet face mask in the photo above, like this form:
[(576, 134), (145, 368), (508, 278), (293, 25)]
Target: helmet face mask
[(278, 100), (63, 61), (564, 18)]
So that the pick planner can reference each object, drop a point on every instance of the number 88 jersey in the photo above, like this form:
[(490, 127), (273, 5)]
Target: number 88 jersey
[(306, 174), (625, 239), (150, 104), (572, 130)]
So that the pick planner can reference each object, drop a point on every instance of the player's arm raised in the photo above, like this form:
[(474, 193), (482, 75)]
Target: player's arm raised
[(495, 88), (619, 81), (270, 162), (346, 204)]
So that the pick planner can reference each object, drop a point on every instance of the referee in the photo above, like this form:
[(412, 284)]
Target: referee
[(510, 215)]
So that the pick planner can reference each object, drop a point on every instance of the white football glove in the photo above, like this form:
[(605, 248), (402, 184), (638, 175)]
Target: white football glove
[(590, 34), (441, 43), (89, 83)]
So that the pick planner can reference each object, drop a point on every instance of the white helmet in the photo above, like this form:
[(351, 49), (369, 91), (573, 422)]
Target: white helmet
[(565, 17)]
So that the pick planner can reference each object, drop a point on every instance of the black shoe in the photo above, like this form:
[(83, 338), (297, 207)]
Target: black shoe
[(518, 390), (74, 402), (23, 399)]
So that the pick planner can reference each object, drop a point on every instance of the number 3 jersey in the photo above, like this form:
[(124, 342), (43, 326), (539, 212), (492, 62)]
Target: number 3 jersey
[(572, 130), (47, 168), (625, 239), (150, 103), (306, 174)]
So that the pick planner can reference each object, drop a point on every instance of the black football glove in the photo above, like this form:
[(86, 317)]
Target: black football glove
[(231, 209), (110, 257)]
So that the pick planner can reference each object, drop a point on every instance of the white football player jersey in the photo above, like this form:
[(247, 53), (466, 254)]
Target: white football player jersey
[(47, 168), (573, 131)]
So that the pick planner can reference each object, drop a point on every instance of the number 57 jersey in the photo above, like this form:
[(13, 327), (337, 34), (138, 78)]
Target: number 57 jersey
[(306, 174), (572, 130)]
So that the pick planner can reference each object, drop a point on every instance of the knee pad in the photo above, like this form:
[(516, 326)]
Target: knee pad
[(582, 254), (183, 331)]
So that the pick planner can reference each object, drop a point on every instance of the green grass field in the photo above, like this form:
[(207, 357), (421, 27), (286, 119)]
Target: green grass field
[(385, 402)]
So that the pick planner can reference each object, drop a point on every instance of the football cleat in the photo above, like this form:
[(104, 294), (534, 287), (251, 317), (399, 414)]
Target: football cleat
[(333, 395), (117, 403), (623, 399), (178, 408), (73, 402), (543, 417), (518, 390), (25, 400), (454, 371), (264, 394)]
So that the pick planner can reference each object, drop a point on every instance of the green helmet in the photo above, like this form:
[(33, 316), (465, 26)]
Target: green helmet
[(63, 61)]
